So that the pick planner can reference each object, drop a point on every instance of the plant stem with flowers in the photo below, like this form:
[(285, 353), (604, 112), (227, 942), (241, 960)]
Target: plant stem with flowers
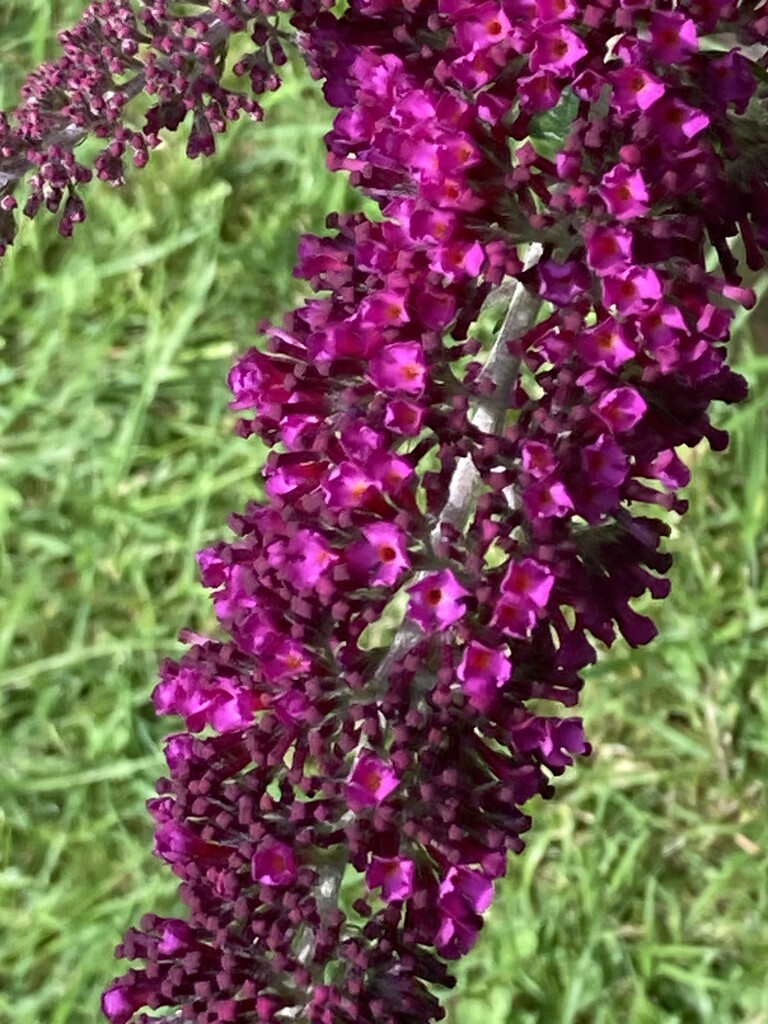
[(496, 497)]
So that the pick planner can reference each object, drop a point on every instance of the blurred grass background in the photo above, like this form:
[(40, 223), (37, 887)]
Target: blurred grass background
[(643, 895)]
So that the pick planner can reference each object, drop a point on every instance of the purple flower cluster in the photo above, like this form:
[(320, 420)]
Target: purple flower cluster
[(490, 508), (117, 51)]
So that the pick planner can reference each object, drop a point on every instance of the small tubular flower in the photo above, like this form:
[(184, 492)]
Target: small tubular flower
[(436, 601), (371, 781)]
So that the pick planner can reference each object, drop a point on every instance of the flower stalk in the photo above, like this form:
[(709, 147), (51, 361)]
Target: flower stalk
[(500, 369)]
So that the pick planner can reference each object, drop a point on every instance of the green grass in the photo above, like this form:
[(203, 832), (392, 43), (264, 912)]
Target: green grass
[(643, 895)]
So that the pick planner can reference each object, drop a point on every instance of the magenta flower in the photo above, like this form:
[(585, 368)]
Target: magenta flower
[(178, 749), (282, 658), (176, 936), (482, 670), (634, 290), (394, 875), (274, 863), (225, 703), (606, 345), (539, 92), (609, 249), (487, 26), (557, 49), (525, 591), (675, 121), (404, 418), (437, 601), (663, 327), (634, 88), (463, 896), (670, 470), (177, 844), (371, 781), (620, 409), (537, 459), (291, 478), (399, 368), (547, 499), (384, 309), (307, 557), (381, 557), (560, 10), (119, 1004), (673, 36), (624, 192), (292, 708), (604, 468), (456, 936), (348, 486), (555, 739), (463, 887), (562, 282), (457, 259), (731, 80), (528, 581)]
